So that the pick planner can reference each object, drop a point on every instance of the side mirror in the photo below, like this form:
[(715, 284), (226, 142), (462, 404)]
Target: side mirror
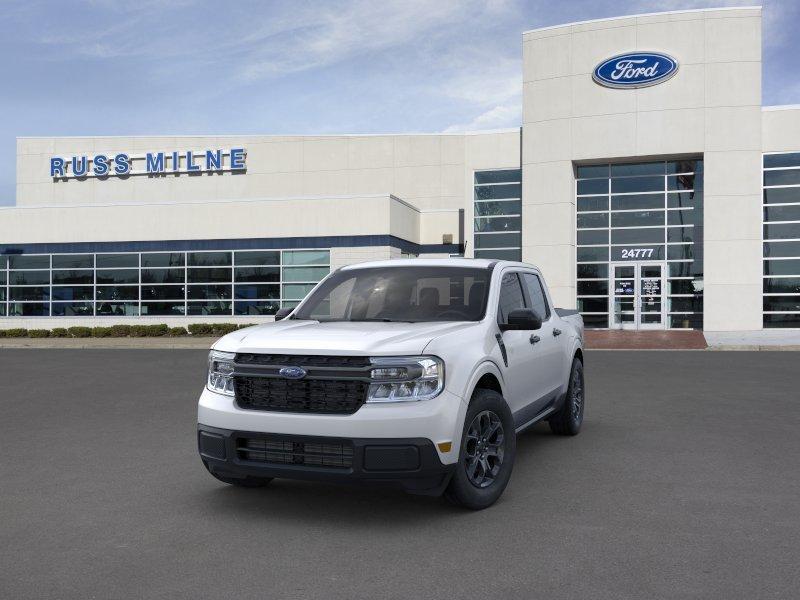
[(524, 319), (283, 313)]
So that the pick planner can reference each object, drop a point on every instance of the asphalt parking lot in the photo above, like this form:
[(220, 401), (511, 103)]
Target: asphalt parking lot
[(683, 484)]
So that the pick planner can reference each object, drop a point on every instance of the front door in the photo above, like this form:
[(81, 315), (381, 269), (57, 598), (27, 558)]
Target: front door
[(637, 295)]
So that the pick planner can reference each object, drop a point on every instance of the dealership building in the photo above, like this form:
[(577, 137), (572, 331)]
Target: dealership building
[(647, 181)]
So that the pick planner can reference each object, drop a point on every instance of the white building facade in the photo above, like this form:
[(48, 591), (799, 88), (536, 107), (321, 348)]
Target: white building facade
[(654, 192)]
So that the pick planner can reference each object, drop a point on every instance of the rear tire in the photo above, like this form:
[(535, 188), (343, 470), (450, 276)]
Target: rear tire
[(568, 420), (246, 482), (488, 447)]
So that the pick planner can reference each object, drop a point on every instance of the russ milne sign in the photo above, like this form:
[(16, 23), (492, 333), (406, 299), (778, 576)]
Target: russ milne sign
[(635, 70), (150, 163)]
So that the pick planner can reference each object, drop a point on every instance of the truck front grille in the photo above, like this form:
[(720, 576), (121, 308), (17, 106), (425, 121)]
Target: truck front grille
[(322, 396), (295, 452)]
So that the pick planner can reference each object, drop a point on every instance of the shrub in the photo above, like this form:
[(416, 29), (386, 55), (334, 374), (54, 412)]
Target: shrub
[(138, 331), (16, 332), (59, 332), (223, 328), (80, 332), (2, 333), (157, 330), (246, 325), (177, 332), (38, 333), (101, 332), (201, 329), (120, 330)]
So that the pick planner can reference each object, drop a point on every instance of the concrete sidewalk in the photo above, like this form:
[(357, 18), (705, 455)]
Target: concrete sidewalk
[(765, 339)]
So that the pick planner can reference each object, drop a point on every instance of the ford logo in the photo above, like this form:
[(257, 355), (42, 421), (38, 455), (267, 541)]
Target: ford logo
[(635, 70), (292, 372)]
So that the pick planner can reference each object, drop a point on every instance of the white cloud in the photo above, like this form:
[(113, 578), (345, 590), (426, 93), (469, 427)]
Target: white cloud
[(497, 117)]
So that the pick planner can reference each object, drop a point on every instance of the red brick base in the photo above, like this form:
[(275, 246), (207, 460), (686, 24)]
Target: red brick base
[(606, 339)]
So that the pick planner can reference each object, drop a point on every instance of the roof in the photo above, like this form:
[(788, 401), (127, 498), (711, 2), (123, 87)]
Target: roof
[(480, 263)]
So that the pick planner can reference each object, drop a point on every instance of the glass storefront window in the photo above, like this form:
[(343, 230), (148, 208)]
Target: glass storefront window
[(497, 209)]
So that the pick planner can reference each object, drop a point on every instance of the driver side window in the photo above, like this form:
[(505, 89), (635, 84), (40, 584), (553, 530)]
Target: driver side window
[(511, 296)]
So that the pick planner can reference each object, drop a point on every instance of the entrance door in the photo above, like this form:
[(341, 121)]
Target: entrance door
[(637, 295)]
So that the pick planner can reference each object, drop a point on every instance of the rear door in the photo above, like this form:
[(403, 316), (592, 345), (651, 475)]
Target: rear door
[(548, 351)]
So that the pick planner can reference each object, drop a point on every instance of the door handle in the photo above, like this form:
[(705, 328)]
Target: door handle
[(556, 332), (534, 338)]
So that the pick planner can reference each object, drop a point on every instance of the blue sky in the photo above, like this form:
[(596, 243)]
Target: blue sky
[(148, 67)]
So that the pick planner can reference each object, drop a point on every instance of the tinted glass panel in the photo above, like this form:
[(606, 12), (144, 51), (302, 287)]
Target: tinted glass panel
[(73, 292), (163, 276), (296, 291), (598, 203), (637, 184), (637, 219), (679, 252), (593, 186), (686, 321), (788, 177), (592, 288), (685, 200), (598, 305), (683, 182), (592, 254), (684, 166), (162, 292), (500, 176), (595, 321), (118, 276), (29, 277), (72, 309), (782, 213), (497, 240), (117, 292), (113, 261), (493, 192), (684, 217), (592, 271), (680, 234), (488, 209), (29, 293), (684, 286), (681, 269), (209, 275), (587, 171), (209, 308), (498, 224), (162, 308), (782, 267), (2, 277), (778, 249), (592, 220), (257, 274), (593, 236), (73, 277), (117, 309), (73, 261), (164, 259), (208, 259), (782, 160), (304, 273), (782, 303), (782, 195), (637, 236), (637, 201), (258, 258), (254, 292), (306, 257), (28, 309), (782, 285), (784, 231), (694, 304), (256, 308), (782, 321), (209, 292), (511, 296), (29, 262), (499, 254), (653, 168)]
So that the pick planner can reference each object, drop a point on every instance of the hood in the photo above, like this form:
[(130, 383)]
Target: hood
[(341, 337)]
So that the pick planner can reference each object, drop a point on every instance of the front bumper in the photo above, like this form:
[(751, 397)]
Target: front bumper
[(411, 464)]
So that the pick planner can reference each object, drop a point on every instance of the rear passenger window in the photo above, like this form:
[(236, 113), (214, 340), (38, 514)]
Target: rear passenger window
[(536, 294), (511, 296)]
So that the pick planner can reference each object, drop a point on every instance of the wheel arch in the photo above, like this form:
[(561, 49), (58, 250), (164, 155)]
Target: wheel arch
[(486, 376)]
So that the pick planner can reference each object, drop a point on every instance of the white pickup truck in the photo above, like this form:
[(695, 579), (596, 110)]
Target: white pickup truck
[(415, 373)]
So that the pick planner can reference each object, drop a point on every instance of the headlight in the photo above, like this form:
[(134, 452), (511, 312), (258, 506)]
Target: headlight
[(220, 372), (405, 378)]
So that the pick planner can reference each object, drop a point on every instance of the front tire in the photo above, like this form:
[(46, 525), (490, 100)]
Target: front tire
[(569, 419), (488, 448)]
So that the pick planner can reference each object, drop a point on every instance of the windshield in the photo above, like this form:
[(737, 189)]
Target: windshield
[(412, 294)]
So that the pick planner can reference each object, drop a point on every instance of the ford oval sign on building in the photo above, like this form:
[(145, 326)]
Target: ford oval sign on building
[(635, 70)]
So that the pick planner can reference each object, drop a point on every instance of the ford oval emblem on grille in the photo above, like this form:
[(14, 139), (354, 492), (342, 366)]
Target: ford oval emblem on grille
[(292, 372)]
